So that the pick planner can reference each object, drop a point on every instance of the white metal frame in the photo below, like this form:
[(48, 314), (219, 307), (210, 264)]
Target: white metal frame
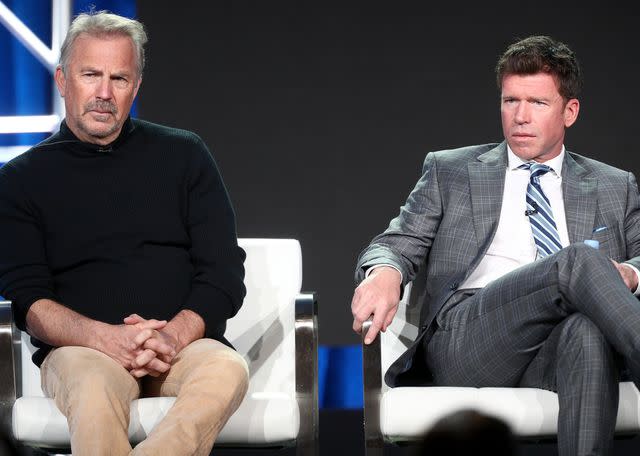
[(60, 20)]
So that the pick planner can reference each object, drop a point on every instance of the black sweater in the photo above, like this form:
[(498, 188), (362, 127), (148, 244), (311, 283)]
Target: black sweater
[(143, 225)]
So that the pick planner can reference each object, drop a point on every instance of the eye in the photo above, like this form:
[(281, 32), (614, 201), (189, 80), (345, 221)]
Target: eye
[(120, 81)]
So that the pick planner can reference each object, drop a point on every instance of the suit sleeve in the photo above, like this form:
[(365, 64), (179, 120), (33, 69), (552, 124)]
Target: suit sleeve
[(406, 242), (217, 287), (632, 222)]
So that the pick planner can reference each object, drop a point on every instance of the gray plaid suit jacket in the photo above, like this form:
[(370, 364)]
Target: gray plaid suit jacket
[(450, 218)]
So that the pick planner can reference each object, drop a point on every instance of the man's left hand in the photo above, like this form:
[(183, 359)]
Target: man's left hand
[(628, 275)]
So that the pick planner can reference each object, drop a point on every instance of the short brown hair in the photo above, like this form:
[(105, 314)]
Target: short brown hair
[(542, 54)]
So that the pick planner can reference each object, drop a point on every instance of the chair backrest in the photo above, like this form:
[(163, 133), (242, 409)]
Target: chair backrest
[(263, 331)]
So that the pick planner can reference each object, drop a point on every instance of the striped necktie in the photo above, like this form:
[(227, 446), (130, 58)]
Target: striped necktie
[(543, 227)]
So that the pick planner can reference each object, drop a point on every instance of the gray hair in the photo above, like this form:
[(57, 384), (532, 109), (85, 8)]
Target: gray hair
[(101, 23)]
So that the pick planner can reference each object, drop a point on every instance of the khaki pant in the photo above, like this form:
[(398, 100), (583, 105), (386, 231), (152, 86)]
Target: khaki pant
[(94, 392)]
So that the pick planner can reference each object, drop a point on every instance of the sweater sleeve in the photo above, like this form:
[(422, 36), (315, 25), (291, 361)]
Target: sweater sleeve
[(24, 274), (217, 287)]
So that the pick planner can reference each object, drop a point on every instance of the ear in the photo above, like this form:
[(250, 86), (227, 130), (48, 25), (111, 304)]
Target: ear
[(571, 110), (135, 91), (61, 81)]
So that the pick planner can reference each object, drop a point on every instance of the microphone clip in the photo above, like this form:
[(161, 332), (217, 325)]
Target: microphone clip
[(529, 212)]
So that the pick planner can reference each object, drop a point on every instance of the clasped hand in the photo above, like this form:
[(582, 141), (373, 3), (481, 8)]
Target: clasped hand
[(142, 346)]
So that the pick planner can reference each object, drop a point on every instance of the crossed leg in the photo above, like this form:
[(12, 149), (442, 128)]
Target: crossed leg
[(575, 297)]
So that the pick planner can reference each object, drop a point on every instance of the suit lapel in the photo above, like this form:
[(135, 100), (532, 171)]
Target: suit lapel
[(486, 181), (579, 195)]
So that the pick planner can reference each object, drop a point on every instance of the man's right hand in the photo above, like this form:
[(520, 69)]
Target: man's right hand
[(377, 295)]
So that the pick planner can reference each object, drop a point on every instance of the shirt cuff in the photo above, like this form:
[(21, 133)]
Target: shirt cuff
[(368, 271), (637, 272)]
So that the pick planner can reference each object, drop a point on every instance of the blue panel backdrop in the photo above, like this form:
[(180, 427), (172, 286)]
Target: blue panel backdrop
[(26, 88), (25, 83)]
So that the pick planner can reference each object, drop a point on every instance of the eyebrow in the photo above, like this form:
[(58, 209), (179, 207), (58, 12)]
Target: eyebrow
[(89, 68), (116, 74)]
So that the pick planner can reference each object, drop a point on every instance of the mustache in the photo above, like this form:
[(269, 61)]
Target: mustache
[(101, 105)]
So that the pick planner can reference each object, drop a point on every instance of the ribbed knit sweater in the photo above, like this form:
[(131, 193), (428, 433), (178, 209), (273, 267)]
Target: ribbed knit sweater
[(142, 225)]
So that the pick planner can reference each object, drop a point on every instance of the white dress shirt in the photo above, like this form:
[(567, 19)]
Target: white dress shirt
[(513, 244)]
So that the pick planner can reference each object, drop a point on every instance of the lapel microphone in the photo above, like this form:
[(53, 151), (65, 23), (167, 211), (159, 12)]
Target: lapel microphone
[(529, 212)]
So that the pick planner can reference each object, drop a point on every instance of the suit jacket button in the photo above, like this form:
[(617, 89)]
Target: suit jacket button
[(454, 286)]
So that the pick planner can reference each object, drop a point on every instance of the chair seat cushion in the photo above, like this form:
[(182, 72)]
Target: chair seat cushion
[(261, 419), (406, 413)]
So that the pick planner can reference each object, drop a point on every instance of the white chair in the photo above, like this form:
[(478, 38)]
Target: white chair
[(402, 415), (275, 330)]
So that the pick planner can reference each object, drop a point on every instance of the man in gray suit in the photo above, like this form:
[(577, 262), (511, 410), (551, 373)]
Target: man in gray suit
[(513, 296)]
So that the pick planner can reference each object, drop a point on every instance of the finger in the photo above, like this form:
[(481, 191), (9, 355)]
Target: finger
[(367, 312), (389, 318), (379, 318), (166, 358), (152, 324), (160, 347), (139, 373), (133, 319), (143, 359), (142, 337), (374, 329), (357, 325), (158, 366), (359, 319)]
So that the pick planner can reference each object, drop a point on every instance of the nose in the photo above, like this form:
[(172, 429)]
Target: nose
[(522, 113), (104, 90)]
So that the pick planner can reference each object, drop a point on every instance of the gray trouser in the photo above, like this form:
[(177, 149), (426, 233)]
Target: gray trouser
[(558, 323)]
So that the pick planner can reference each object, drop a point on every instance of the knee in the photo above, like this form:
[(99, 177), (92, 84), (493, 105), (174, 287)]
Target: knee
[(581, 337), (581, 251), (212, 359)]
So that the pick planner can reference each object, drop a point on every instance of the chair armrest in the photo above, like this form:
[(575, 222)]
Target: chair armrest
[(306, 328), (8, 374), (372, 379)]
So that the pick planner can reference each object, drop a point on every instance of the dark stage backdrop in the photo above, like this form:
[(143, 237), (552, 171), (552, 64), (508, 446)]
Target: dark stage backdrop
[(320, 118)]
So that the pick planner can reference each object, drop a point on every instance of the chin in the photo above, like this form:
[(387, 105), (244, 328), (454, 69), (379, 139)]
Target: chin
[(100, 130)]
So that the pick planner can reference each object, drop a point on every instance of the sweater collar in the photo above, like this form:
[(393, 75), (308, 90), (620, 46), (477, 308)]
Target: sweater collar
[(67, 135)]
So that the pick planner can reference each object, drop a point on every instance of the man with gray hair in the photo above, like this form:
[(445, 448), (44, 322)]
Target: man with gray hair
[(120, 257)]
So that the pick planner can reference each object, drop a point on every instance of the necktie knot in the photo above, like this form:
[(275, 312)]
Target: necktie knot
[(536, 170)]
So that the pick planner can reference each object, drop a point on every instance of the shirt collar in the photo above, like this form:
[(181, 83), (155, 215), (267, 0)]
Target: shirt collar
[(555, 163)]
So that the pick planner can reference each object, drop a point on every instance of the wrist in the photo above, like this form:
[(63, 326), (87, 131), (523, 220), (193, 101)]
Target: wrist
[(174, 334), (100, 335), (384, 269), (186, 327)]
